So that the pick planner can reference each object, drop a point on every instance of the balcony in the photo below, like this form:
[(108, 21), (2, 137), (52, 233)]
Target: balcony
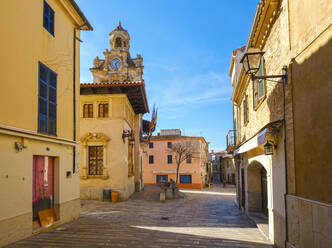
[(231, 141)]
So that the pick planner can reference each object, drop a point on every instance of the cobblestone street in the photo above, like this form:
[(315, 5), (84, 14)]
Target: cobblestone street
[(206, 218)]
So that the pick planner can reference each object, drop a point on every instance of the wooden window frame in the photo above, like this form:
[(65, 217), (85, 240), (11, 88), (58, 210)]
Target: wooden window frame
[(48, 18), (245, 110), (88, 110), (259, 86), (189, 159), (46, 122), (169, 159), (151, 159), (103, 110), (97, 159)]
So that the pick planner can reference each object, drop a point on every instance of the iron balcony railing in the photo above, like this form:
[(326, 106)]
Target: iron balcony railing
[(231, 138)]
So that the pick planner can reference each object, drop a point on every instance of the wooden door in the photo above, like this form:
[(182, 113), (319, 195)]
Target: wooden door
[(42, 184)]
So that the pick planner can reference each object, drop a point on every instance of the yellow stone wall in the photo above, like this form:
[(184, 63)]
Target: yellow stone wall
[(25, 42), (121, 117)]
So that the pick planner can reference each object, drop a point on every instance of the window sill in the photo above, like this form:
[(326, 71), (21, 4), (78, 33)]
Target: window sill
[(104, 177)]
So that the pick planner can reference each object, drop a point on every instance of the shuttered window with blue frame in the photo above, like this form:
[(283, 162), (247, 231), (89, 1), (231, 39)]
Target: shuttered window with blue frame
[(185, 178), (47, 100), (48, 18)]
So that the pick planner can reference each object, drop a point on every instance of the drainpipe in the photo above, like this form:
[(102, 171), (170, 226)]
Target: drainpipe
[(74, 90)]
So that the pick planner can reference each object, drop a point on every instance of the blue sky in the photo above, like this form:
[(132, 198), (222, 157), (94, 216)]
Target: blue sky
[(186, 47)]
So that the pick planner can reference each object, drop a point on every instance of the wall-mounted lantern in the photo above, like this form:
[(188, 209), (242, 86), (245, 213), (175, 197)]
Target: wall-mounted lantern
[(251, 62), (268, 147), (126, 134)]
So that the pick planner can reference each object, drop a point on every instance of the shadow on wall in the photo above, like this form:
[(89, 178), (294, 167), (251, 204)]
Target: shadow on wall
[(312, 102)]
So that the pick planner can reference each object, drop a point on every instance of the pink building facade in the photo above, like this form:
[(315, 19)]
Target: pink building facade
[(159, 162)]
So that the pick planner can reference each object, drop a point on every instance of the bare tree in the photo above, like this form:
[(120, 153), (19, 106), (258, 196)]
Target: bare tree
[(182, 150)]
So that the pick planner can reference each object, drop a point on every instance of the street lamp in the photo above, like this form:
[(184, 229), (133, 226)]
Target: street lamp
[(251, 62)]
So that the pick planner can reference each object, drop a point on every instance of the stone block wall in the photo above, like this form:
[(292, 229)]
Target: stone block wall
[(309, 223)]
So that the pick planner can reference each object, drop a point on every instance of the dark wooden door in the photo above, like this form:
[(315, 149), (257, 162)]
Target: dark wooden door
[(243, 197), (264, 191)]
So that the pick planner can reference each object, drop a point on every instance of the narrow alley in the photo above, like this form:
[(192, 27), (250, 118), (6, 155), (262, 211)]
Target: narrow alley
[(206, 218)]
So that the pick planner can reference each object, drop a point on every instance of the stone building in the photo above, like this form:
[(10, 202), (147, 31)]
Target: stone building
[(159, 161), (292, 186), (111, 110), (223, 167), (40, 55)]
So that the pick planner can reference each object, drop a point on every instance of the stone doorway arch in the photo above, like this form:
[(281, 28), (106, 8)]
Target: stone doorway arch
[(257, 188)]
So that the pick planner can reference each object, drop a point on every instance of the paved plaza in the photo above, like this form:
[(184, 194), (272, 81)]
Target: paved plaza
[(206, 218)]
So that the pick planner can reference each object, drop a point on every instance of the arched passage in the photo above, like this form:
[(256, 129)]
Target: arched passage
[(257, 188)]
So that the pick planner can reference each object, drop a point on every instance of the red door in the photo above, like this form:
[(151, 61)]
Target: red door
[(42, 184)]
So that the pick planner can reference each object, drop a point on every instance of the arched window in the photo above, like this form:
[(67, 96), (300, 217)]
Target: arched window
[(118, 42), (124, 44)]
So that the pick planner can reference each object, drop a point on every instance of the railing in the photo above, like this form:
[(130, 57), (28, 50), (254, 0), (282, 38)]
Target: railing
[(231, 139)]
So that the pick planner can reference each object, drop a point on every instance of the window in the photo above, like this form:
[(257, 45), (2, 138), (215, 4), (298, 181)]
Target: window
[(161, 178), (245, 110), (169, 144), (95, 160), (48, 21), (188, 160), (118, 42), (88, 110), (103, 110), (185, 178), (169, 159), (151, 159), (259, 91), (47, 100), (150, 145)]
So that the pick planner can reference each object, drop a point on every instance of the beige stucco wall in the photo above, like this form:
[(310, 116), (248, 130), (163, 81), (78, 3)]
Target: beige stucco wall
[(121, 117)]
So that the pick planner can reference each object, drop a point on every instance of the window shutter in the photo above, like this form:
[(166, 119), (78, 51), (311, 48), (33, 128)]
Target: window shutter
[(261, 82)]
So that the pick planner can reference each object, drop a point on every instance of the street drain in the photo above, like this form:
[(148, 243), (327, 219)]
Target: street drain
[(165, 218)]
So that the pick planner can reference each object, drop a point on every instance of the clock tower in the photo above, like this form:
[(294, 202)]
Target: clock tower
[(118, 66)]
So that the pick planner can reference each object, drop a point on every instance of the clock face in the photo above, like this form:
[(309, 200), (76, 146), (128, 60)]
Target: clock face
[(115, 63)]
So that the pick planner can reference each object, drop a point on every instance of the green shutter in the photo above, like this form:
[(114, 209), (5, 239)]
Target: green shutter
[(261, 82)]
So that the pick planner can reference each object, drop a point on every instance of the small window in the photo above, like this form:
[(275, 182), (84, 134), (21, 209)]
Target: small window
[(161, 178), (87, 110), (151, 159), (245, 110), (169, 144), (103, 110), (48, 18), (188, 160), (151, 145), (259, 90), (185, 179), (169, 159), (47, 100)]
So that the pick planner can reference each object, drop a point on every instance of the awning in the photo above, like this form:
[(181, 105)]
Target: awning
[(256, 141)]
